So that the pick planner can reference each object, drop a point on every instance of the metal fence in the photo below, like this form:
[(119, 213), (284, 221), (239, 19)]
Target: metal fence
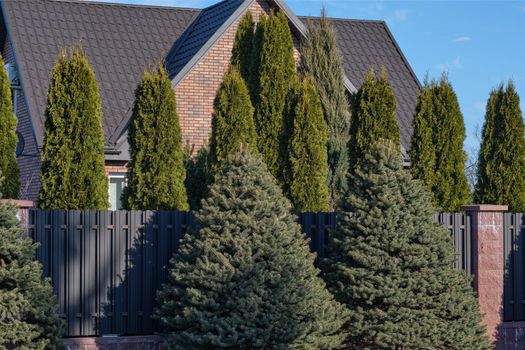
[(514, 282), (106, 266)]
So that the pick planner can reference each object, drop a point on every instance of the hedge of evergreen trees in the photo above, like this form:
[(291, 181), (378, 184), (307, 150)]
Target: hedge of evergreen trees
[(72, 174)]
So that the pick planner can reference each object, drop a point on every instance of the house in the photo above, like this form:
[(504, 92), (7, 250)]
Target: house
[(121, 41)]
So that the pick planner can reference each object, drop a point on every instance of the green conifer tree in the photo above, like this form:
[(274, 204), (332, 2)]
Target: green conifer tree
[(10, 184), (501, 165), (321, 59), (232, 124), (308, 156), (156, 178), (28, 310), (374, 116), (73, 175), (253, 81), (276, 78), (437, 154), (198, 176), (242, 52), (250, 281), (392, 265)]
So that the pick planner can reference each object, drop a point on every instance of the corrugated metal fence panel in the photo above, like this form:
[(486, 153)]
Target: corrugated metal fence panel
[(514, 282), (106, 266)]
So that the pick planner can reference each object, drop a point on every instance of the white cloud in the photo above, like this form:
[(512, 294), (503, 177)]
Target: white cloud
[(461, 39), (400, 15), (451, 65)]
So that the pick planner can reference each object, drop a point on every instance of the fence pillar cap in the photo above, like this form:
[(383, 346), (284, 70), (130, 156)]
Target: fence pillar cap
[(20, 203), (485, 208)]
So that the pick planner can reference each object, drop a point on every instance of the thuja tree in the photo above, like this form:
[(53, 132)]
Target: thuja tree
[(157, 174), (232, 123), (374, 116), (250, 282), (501, 165), (10, 184), (392, 265), (28, 310), (308, 157), (276, 77), (242, 52), (198, 176), (321, 59), (437, 154), (73, 175)]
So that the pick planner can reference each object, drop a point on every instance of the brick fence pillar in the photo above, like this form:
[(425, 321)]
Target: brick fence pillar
[(488, 264), (23, 209)]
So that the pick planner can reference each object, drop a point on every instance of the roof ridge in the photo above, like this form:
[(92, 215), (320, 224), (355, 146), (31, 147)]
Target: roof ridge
[(122, 4), (379, 21)]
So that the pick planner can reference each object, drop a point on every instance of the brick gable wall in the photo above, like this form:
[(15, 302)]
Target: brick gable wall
[(29, 161), (196, 92)]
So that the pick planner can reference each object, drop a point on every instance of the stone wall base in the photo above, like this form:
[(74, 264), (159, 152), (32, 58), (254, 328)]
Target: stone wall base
[(148, 342), (511, 336)]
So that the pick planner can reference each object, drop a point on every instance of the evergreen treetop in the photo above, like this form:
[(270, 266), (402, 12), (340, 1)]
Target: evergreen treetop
[(232, 123), (242, 52), (437, 154), (28, 310), (392, 265), (10, 184), (321, 59), (73, 175), (276, 79), (374, 116), (308, 157), (501, 165), (246, 279), (157, 175)]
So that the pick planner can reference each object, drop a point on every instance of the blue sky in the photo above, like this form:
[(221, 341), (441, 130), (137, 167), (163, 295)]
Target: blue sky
[(479, 43)]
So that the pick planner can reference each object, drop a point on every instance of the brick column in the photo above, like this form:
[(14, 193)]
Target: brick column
[(488, 262), (23, 209)]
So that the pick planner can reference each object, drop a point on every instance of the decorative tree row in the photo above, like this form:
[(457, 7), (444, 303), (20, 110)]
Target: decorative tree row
[(436, 152), (10, 183), (322, 60), (501, 165), (72, 174), (392, 265), (156, 176), (250, 282)]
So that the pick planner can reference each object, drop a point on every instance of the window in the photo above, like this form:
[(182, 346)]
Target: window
[(117, 182)]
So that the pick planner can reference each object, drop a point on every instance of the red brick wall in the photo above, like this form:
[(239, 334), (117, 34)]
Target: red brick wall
[(29, 162), (116, 167), (196, 92)]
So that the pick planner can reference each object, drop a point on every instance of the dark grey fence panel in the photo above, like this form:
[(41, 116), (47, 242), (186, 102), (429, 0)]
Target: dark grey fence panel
[(106, 266), (514, 282)]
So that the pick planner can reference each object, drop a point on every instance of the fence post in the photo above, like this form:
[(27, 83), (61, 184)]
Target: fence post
[(23, 209), (488, 265)]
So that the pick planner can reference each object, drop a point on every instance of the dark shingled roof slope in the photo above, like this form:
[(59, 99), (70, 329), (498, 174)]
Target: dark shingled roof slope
[(119, 40), (367, 43), (202, 29)]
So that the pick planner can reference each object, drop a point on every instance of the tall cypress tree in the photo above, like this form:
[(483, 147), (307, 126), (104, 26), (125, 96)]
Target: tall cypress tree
[(156, 176), (28, 309), (321, 59), (242, 52), (374, 116), (437, 154), (392, 265), (308, 157), (232, 124), (73, 175), (276, 78), (250, 281), (501, 165), (198, 177), (10, 184)]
